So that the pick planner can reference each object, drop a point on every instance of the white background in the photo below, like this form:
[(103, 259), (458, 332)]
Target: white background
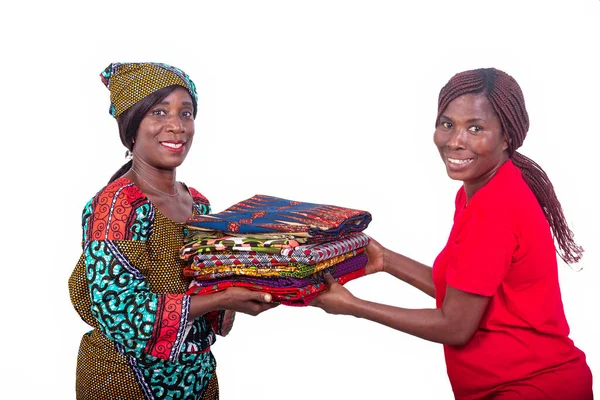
[(321, 101)]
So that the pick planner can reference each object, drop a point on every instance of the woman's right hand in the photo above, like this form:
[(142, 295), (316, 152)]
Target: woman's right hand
[(246, 301), (375, 252)]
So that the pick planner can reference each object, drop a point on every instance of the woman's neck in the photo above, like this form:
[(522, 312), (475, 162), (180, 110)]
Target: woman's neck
[(471, 187), (159, 180)]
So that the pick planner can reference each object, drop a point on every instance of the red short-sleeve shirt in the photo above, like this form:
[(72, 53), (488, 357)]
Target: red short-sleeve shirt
[(501, 246)]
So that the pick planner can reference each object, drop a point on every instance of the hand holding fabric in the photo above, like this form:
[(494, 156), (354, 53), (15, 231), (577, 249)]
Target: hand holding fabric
[(247, 301), (375, 252), (336, 300)]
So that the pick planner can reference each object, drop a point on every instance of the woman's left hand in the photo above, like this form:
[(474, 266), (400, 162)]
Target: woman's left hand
[(336, 300)]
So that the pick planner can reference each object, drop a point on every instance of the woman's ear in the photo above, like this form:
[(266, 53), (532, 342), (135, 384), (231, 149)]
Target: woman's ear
[(506, 143)]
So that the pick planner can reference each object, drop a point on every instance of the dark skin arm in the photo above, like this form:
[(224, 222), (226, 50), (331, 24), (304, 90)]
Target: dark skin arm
[(235, 299), (410, 271), (453, 324)]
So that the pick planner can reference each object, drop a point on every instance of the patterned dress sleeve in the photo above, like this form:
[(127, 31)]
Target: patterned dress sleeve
[(116, 225)]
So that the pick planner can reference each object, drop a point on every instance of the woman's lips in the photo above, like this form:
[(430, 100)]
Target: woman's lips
[(457, 164), (175, 147)]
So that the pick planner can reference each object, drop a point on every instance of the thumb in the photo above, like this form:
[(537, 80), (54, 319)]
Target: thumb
[(329, 279), (264, 297)]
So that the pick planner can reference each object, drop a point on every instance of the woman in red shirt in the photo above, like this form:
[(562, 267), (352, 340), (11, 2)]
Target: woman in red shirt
[(498, 310)]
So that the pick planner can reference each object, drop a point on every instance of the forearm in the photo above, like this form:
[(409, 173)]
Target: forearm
[(410, 271), (428, 324), (200, 305)]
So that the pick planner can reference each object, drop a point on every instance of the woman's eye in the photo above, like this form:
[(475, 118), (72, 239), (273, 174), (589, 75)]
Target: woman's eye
[(158, 112), (475, 128), (447, 125), (187, 114)]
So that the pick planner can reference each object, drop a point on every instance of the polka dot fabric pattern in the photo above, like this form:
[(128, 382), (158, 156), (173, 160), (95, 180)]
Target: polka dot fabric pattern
[(129, 83), (128, 285)]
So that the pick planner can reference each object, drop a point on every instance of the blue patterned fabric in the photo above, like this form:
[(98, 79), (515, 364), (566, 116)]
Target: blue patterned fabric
[(268, 214)]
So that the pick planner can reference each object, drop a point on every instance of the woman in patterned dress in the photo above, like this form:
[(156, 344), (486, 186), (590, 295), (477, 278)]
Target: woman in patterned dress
[(149, 339)]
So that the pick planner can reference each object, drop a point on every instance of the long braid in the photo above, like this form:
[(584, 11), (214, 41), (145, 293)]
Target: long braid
[(541, 186), (508, 102)]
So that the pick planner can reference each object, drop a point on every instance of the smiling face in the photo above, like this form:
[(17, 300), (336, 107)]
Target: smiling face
[(165, 134), (470, 140)]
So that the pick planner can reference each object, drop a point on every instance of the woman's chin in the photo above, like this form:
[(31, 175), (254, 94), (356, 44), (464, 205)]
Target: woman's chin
[(456, 176)]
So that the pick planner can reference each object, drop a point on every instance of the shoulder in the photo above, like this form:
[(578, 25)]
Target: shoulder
[(506, 199), (508, 189), (501, 188), (110, 214), (198, 197), (200, 201)]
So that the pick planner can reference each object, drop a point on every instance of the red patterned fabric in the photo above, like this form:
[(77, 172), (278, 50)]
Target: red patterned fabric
[(113, 211), (287, 296), (167, 326), (198, 197)]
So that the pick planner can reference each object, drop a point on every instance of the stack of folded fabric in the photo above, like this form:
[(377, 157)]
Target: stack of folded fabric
[(274, 245)]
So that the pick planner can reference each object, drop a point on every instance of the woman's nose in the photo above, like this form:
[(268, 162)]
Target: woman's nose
[(175, 124), (457, 139)]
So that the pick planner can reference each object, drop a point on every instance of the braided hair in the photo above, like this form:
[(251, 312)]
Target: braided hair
[(506, 97)]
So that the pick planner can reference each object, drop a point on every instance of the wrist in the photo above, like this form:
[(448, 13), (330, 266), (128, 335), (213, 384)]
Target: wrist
[(221, 300), (353, 307), (384, 267), (201, 305)]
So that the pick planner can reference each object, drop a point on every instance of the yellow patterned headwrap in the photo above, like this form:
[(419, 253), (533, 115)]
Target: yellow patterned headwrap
[(129, 83)]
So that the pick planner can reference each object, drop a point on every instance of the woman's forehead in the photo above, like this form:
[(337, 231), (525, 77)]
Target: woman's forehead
[(470, 106)]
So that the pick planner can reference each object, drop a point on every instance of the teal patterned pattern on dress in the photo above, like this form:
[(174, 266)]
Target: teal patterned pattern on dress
[(121, 301), (142, 226), (85, 217), (185, 380)]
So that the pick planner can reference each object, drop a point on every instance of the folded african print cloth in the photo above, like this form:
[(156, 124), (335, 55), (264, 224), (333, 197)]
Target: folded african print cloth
[(273, 271), (282, 281), (198, 243), (291, 295), (282, 247), (217, 254), (268, 214)]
